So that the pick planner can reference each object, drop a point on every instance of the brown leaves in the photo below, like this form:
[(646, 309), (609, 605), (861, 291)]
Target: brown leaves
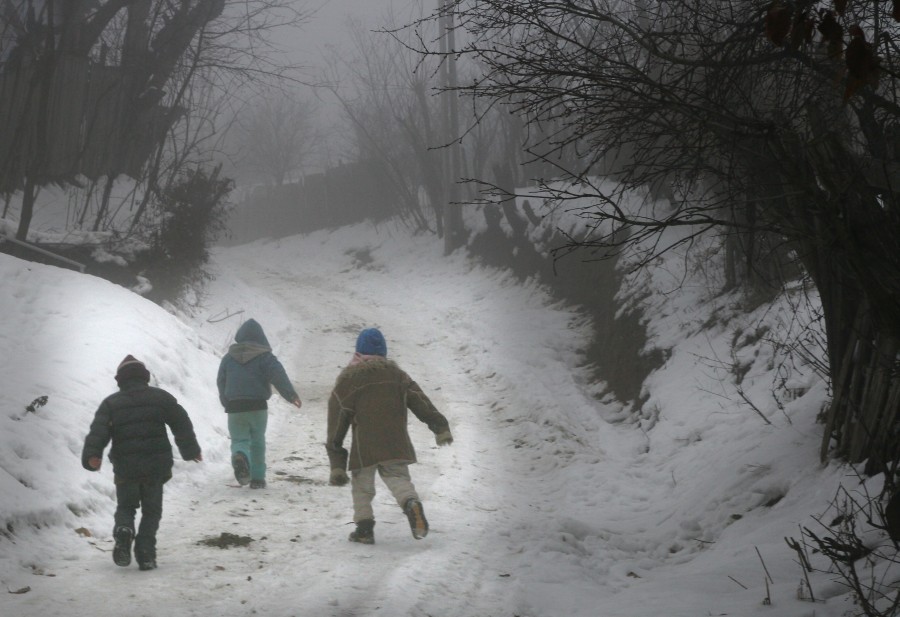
[(832, 33), (802, 30), (863, 65), (786, 26), (778, 23)]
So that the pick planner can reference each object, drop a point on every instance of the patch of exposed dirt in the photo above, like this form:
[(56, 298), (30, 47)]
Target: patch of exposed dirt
[(226, 540), (299, 479)]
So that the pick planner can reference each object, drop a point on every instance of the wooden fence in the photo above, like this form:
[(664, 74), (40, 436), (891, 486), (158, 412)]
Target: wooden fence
[(343, 195), (72, 117)]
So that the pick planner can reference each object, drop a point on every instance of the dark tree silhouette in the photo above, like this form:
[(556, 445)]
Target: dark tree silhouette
[(747, 120), (68, 113)]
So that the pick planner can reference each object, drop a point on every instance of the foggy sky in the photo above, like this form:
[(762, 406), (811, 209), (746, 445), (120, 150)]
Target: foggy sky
[(328, 26)]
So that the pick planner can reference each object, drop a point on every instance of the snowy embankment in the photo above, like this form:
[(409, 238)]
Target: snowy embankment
[(549, 503)]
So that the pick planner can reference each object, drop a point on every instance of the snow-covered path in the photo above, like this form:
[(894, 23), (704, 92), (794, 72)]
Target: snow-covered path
[(546, 505), (475, 492), (467, 354)]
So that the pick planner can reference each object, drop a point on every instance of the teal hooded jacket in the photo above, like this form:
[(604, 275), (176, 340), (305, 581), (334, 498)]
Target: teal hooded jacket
[(249, 370)]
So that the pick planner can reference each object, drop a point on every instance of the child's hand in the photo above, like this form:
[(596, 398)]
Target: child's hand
[(444, 438), (95, 462), (338, 477), (297, 403), (198, 458)]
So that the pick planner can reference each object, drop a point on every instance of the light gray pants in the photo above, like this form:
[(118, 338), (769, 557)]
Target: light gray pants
[(362, 483)]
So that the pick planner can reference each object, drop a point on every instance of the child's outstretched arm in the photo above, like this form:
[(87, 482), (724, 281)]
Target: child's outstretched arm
[(424, 410)]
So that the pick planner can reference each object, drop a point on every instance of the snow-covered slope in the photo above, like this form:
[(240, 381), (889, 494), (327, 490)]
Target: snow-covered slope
[(549, 503)]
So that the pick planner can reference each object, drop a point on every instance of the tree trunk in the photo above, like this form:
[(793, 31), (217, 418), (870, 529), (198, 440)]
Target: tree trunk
[(104, 203), (28, 194), (37, 163), (453, 227), (151, 186), (849, 247), (504, 177)]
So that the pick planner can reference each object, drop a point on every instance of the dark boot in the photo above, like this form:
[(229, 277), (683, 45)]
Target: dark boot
[(241, 466), (145, 552), (122, 550), (365, 532), (257, 484), (147, 564), (416, 516)]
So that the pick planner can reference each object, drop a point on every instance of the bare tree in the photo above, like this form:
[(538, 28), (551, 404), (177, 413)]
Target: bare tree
[(52, 59), (385, 92), (91, 88), (743, 134), (279, 135)]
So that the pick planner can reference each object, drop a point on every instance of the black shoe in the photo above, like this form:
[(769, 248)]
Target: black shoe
[(416, 515), (257, 484), (365, 532), (122, 550), (145, 553), (241, 467)]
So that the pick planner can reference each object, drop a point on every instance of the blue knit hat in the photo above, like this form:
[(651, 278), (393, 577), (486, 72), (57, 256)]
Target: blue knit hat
[(370, 342)]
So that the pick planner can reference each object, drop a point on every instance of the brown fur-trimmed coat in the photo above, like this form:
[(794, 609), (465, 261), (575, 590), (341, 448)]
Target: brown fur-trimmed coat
[(372, 398)]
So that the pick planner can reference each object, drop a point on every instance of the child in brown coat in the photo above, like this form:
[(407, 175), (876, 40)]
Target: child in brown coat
[(370, 398)]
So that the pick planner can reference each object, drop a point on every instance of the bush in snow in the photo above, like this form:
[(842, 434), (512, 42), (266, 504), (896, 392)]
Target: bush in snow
[(192, 216)]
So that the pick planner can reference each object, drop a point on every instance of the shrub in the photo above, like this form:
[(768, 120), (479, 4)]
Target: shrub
[(192, 215)]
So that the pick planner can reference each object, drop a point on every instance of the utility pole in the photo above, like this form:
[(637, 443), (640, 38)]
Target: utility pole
[(452, 164)]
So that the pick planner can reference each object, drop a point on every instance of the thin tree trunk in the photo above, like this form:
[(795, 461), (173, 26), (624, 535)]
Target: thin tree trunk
[(37, 164), (104, 203), (87, 204), (503, 175), (28, 195)]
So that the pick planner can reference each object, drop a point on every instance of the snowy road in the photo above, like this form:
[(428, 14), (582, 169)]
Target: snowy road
[(475, 493), (546, 505), (467, 337), (305, 563)]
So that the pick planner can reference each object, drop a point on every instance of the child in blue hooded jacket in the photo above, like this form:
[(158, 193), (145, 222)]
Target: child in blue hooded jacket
[(246, 376)]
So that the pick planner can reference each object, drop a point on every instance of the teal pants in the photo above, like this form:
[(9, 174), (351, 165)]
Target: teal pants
[(248, 435)]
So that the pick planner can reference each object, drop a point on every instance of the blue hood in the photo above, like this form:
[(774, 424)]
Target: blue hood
[(251, 332)]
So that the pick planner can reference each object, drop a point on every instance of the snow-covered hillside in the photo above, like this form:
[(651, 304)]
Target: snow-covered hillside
[(552, 502)]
